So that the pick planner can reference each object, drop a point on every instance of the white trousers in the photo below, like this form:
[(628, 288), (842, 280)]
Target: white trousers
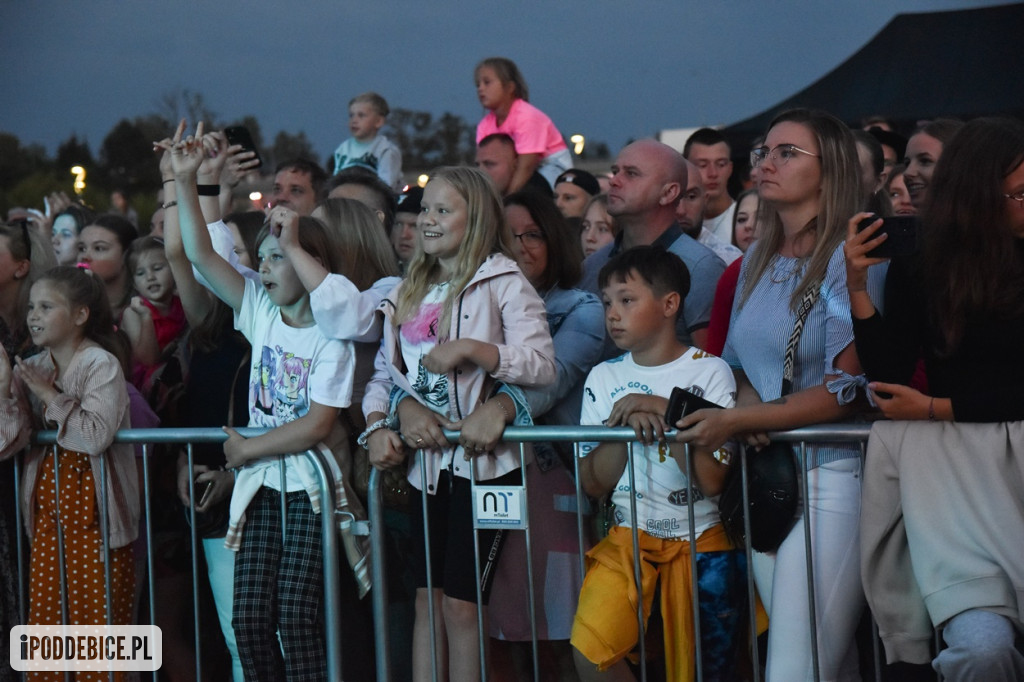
[(781, 581)]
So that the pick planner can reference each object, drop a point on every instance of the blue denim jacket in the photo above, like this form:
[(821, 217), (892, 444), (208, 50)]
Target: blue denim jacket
[(576, 320)]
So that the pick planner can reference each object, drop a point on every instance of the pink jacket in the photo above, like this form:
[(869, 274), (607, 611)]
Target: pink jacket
[(92, 406), (498, 306)]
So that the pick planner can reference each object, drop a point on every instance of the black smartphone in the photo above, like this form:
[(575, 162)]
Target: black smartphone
[(682, 402), (201, 492), (903, 236), (240, 135)]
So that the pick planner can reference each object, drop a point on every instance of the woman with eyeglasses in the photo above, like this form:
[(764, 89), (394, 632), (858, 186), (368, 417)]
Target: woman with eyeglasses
[(549, 255), (944, 483), (809, 184)]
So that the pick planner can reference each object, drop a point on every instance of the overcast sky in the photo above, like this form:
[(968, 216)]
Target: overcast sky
[(612, 70)]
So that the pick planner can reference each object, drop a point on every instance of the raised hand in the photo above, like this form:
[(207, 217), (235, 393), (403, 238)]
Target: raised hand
[(215, 148), (856, 247), (284, 225), (37, 381), (239, 163), (186, 151)]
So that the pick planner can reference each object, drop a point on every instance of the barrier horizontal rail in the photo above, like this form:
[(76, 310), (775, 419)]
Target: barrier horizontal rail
[(822, 433), (191, 436)]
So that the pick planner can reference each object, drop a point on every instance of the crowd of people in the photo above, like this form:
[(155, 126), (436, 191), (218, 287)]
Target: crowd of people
[(362, 317)]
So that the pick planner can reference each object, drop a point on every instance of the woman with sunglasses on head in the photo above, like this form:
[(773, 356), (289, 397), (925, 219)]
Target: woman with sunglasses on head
[(809, 183), (944, 482)]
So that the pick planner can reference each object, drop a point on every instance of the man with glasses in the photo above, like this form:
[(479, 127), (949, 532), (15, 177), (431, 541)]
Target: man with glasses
[(707, 149)]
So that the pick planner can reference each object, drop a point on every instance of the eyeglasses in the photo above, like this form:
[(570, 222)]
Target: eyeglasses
[(780, 155), (1018, 197), (531, 240)]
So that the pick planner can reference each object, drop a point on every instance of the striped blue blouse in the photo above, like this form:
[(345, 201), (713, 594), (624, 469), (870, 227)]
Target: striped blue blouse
[(760, 329)]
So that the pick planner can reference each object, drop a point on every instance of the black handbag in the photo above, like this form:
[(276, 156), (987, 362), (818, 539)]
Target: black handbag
[(772, 483)]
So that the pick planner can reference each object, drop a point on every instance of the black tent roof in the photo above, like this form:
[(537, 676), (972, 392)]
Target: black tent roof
[(962, 63)]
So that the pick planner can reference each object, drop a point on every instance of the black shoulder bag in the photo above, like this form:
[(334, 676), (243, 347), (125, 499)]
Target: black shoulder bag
[(771, 472)]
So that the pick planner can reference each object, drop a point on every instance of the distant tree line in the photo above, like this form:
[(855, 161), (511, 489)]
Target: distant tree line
[(125, 158)]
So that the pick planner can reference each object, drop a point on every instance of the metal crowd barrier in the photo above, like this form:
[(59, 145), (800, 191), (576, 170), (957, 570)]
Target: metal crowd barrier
[(187, 437), (829, 433)]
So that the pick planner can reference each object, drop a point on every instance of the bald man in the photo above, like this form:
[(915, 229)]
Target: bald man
[(648, 178)]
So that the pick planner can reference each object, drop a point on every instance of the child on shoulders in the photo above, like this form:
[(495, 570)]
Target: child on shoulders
[(367, 148), (643, 290)]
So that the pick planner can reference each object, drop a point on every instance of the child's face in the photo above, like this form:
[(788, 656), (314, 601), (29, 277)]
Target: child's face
[(51, 320), (746, 222), (238, 245), (152, 277), (490, 90), (65, 240), (633, 315), (442, 222), (277, 274), (100, 248), (364, 121), (597, 229)]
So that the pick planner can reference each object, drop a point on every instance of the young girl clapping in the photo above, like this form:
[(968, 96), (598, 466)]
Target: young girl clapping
[(77, 387), (464, 319)]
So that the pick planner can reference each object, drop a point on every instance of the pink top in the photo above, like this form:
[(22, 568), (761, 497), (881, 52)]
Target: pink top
[(530, 128)]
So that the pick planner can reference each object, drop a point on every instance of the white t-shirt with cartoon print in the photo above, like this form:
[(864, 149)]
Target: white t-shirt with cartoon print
[(662, 487), (290, 367)]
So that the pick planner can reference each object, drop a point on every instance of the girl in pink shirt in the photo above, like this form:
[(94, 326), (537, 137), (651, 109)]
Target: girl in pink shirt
[(502, 90)]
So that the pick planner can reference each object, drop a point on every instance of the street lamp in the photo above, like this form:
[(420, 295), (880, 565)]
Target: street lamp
[(578, 142), (79, 174)]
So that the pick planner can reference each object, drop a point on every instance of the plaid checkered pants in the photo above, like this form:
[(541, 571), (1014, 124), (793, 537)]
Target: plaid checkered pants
[(279, 589)]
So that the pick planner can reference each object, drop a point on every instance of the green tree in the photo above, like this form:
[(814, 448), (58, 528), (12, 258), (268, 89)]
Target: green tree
[(18, 162), (288, 147), (126, 155), (72, 152)]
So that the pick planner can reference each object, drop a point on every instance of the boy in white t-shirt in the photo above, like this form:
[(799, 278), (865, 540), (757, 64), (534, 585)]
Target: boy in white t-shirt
[(367, 148), (643, 290)]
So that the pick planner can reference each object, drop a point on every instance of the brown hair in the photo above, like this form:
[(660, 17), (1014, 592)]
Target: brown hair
[(840, 199), (82, 288)]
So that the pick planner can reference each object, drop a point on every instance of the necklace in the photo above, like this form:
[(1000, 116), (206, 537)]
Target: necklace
[(773, 267)]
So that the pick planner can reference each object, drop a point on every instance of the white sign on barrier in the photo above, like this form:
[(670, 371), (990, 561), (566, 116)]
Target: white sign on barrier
[(499, 507)]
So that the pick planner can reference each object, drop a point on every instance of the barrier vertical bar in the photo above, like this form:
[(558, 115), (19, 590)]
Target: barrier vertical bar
[(755, 650), (694, 581), (61, 564), (811, 607), (281, 464), (482, 643), (580, 539), (329, 545), (105, 539), (529, 566), (637, 573), (378, 567), (190, 454), (147, 500), (422, 461), (19, 542)]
